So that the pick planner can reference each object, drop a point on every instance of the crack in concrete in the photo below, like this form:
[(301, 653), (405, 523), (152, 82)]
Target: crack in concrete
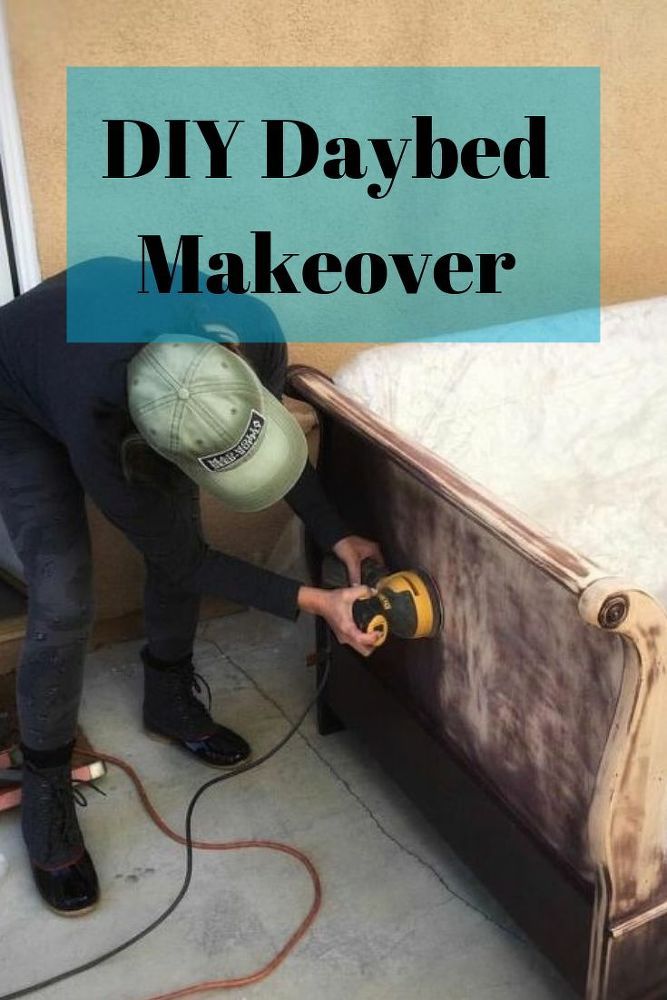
[(366, 808)]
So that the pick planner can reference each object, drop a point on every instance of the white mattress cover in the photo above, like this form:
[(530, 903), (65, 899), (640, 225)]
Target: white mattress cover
[(575, 435)]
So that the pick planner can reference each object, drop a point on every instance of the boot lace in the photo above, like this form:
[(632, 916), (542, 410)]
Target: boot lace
[(191, 710), (57, 798), (200, 686)]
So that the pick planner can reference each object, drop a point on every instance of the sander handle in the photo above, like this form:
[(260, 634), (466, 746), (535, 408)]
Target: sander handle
[(372, 572), (370, 613), (365, 609)]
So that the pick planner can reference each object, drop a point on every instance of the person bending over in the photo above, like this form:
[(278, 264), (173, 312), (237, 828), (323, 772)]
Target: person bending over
[(139, 427)]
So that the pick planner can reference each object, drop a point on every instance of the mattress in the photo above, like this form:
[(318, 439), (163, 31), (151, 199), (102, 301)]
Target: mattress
[(573, 435)]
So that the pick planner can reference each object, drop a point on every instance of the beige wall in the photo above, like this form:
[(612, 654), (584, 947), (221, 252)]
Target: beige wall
[(627, 38)]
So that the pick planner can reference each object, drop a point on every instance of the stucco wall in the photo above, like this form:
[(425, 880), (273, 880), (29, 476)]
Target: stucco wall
[(627, 38)]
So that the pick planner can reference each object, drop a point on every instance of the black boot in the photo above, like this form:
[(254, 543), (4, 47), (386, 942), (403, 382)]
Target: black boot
[(61, 866), (173, 712)]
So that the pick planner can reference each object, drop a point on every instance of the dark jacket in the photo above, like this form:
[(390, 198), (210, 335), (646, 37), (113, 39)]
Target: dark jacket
[(76, 393)]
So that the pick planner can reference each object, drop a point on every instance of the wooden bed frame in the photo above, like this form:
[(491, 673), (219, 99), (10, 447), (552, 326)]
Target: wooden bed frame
[(534, 731)]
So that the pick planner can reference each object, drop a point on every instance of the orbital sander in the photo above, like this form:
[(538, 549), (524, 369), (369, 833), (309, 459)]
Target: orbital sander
[(407, 603)]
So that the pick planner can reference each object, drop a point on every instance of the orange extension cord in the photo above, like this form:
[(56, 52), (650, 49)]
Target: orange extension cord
[(231, 845)]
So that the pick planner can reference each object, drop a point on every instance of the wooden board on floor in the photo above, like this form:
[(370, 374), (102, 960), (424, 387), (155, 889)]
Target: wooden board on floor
[(13, 603), (13, 610), (13, 616), (132, 626), (12, 629), (8, 722)]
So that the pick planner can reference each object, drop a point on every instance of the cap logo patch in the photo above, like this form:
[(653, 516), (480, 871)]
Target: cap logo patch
[(222, 460)]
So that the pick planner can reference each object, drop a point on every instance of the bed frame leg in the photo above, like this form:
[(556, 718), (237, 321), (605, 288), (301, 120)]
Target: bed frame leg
[(327, 720)]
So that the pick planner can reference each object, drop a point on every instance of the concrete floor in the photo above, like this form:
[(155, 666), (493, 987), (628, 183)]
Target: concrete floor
[(401, 916)]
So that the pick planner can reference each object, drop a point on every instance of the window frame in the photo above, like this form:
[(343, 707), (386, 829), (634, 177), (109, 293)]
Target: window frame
[(15, 204)]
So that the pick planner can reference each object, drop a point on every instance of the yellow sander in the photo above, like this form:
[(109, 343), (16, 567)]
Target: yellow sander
[(407, 603)]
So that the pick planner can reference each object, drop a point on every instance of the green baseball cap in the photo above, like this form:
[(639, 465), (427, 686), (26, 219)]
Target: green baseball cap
[(203, 407)]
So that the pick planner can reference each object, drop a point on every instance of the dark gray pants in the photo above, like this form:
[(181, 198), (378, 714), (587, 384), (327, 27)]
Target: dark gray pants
[(42, 505)]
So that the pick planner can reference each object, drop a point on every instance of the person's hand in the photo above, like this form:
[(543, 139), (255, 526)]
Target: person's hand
[(335, 606), (352, 550)]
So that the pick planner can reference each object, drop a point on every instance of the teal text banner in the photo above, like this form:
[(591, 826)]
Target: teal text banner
[(360, 204)]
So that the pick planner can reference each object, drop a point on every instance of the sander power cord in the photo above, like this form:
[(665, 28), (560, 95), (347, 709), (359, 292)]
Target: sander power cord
[(190, 846)]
